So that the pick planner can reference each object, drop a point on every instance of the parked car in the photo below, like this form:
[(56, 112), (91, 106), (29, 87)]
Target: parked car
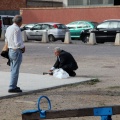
[(5, 21), (104, 32), (56, 31), (77, 27), (27, 26)]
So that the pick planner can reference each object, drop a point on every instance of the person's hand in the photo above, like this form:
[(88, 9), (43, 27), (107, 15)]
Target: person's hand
[(23, 50), (51, 71)]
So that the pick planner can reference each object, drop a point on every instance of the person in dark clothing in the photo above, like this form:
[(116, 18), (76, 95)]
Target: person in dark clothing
[(65, 61)]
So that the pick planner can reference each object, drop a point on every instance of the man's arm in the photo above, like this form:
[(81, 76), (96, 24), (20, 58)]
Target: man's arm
[(56, 65), (18, 39)]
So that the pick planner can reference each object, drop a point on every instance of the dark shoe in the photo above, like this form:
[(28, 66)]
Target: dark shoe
[(73, 74), (16, 90)]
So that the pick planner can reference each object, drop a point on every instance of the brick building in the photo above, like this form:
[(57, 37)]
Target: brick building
[(70, 10), (11, 7), (43, 3), (66, 15)]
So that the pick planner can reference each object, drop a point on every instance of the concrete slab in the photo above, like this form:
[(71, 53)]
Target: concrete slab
[(32, 82)]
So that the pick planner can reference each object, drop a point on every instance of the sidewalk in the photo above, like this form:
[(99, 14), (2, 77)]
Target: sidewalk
[(33, 82)]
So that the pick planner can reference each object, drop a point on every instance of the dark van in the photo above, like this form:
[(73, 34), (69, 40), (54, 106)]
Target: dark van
[(5, 21)]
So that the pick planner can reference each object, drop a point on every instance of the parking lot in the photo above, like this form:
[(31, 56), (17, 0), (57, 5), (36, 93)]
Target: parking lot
[(100, 61)]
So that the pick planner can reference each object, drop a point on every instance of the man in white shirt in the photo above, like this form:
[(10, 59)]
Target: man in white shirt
[(16, 47)]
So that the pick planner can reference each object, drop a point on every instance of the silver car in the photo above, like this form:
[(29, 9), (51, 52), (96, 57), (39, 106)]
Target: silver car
[(56, 31)]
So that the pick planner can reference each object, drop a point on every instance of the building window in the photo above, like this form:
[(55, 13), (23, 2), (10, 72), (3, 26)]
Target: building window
[(70, 2), (110, 1), (116, 2), (96, 2), (90, 2), (76, 2)]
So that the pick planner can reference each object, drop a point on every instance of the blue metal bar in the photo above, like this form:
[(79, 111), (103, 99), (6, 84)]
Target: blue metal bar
[(106, 117), (43, 112), (105, 113)]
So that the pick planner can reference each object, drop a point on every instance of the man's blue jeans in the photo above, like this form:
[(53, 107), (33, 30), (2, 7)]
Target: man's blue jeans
[(15, 62)]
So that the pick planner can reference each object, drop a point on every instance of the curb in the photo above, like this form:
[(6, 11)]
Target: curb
[(36, 91)]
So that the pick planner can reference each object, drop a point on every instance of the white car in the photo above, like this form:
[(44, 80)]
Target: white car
[(56, 31)]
